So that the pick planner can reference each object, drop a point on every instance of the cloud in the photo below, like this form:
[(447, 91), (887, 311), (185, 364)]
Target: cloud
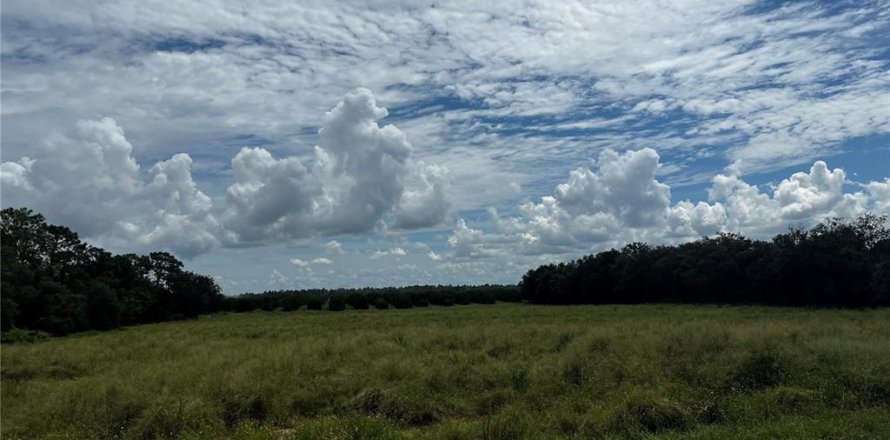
[(764, 87), (879, 192), (362, 177), (361, 173), (304, 264), (396, 251), (496, 95), (92, 184), (333, 247), (620, 200)]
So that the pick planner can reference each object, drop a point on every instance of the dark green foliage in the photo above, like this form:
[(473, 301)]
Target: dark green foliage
[(364, 298), (358, 301), (292, 303), (761, 370), (18, 335), (380, 303), (442, 298), (419, 299), (399, 300), (103, 308), (337, 303), (652, 415), (462, 299), (52, 281), (315, 302), (835, 264)]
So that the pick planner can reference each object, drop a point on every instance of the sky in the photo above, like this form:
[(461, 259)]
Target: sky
[(287, 145)]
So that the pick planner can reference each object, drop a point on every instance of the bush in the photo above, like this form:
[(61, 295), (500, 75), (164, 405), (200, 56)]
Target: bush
[(442, 299), (291, 303), (419, 299), (462, 298), (380, 303), (480, 297), (314, 303), (18, 335), (358, 301), (398, 300), (336, 303), (268, 305)]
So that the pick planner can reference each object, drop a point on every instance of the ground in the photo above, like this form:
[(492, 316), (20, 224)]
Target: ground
[(464, 372)]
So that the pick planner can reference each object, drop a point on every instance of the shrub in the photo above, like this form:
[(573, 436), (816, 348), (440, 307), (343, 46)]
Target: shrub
[(462, 298), (315, 303), (398, 300), (419, 299), (442, 299), (291, 303), (336, 303), (18, 335), (380, 303), (358, 301), (480, 297), (268, 305)]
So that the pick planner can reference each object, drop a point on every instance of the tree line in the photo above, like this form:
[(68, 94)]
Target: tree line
[(368, 297), (54, 282), (838, 263)]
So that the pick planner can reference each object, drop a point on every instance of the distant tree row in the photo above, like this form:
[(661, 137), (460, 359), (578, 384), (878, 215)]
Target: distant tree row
[(838, 263), (365, 298), (52, 281)]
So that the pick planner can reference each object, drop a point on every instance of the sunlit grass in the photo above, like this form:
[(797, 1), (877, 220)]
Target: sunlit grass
[(474, 372)]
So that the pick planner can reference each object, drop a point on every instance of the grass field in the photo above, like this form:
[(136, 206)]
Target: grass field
[(505, 371)]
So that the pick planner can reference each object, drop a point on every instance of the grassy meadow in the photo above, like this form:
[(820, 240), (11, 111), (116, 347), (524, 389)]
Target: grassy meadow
[(505, 371)]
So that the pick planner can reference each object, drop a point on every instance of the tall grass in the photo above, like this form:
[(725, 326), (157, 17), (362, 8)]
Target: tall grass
[(508, 371)]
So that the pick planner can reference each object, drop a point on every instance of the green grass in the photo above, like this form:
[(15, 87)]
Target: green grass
[(508, 371)]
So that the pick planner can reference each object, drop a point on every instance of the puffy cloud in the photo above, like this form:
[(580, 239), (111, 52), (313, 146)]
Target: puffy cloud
[(362, 177), (802, 194), (688, 220), (617, 198), (304, 264), (362, 172), (299, 263), (333, 247), (425, 200), (880, 195), (620, 200), (92, 184), (270, 197), (624, 187), (801, 198), (396, 251)]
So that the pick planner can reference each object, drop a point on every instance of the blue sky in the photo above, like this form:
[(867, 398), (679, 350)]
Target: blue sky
[(327, 144)]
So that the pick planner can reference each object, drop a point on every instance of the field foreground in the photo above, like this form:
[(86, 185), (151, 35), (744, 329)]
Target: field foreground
[(505, 371)]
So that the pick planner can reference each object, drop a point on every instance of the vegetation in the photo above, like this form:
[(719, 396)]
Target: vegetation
[(52, 281), (397, 297), (836, 264), (509, 371)]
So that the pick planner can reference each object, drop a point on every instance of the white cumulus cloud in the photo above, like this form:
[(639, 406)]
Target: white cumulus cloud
[(363, 177), (620, 200)]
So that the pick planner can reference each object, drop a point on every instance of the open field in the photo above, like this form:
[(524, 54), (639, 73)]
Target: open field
[(464, 372)]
